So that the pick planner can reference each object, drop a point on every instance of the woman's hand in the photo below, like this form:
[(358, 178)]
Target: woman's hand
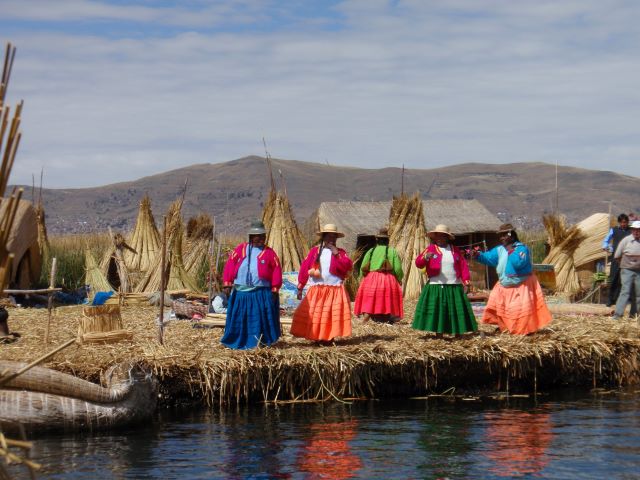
[(299, 295), (334, 249), (428, 255)]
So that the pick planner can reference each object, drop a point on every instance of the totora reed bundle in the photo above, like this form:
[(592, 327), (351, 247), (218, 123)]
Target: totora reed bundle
[(144, 241), (178, 277), (198, 240), (283, 234), (408, 235), (93, 276), (564, 240)]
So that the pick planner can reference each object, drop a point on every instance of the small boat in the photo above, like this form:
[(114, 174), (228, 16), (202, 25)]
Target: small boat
[(42, 398)]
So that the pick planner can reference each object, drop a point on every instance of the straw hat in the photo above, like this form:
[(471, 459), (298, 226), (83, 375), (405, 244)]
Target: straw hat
[(257, 228), (383, 233), (635, 224), (330, 228), (442, 228), (505, 228)]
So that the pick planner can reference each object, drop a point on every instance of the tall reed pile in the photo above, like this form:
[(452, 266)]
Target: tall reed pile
[(283, 234), (94, 276), (177, 275), (564, 241), (408, 235), (199, 248), (144, 241)]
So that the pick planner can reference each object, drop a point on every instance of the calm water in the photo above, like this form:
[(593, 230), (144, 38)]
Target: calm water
[(573, 436)]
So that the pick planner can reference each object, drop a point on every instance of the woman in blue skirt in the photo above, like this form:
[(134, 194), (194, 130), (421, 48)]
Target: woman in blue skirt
[(252, 278)]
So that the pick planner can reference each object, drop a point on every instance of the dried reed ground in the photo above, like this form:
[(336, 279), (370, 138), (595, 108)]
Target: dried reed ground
[(378, 360)]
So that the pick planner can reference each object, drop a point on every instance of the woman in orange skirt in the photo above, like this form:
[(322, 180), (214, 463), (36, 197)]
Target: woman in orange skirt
[(516, 303), (325, 312)]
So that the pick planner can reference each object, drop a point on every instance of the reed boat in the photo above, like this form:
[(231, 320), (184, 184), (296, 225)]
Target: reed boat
[(42, 398)]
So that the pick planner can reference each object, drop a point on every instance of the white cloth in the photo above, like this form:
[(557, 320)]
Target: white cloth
[(327, 277), (218, 305), (447, 275)]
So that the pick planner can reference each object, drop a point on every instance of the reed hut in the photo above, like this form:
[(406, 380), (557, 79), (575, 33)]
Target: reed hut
[(22, 243), (113, 265), (283, 234), (469, 220), (144, 240)]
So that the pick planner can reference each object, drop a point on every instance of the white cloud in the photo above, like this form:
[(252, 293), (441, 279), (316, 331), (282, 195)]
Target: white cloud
[(419, 83)]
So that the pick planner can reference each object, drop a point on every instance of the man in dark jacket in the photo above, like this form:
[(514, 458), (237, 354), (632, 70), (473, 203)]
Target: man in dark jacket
[(610, 244)]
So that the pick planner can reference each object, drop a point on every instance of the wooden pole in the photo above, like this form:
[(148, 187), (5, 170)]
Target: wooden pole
[(52, 281), (8, 378), (163, 275)]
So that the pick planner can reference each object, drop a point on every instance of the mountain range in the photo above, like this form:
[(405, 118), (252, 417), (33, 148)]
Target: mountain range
[(234, 192)]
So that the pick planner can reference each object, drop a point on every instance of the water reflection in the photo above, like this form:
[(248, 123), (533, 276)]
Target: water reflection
[(253, 444), (517, 442), (444, 438), (327, 453)]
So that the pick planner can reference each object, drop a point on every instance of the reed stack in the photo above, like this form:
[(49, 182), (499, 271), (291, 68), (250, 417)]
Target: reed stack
[(178, 277), (144, 240), (283, 234), (408, 235)]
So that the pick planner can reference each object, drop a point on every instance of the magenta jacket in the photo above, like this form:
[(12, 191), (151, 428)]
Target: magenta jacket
[(268, 266), (340, 265), (434, 264)]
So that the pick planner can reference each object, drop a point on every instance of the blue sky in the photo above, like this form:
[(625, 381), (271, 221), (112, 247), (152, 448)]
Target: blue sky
[(116, 90)]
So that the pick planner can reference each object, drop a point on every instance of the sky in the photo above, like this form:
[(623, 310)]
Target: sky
[(117, 90)]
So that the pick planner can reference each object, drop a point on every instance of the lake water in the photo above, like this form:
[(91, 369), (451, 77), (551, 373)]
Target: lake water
[(562, 436)]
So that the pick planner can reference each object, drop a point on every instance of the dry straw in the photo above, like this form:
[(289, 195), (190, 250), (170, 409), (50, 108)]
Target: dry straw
[(178, 277), (283, 234), (408, 235), (197, 243), (113, 260), (144, 241), (378, 360), (564, 241), (94, 276)]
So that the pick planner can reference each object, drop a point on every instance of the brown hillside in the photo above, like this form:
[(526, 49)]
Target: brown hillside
[(234, 191)]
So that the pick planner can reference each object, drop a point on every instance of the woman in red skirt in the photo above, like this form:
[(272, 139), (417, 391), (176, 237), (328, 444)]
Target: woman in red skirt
[(325, 312), (380, 292)]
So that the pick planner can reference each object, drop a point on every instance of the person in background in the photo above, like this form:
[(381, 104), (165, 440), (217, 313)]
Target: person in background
[(628, 254), (380, 291), (220, 302), (252, 278), (516, 303), (610, 244), (325, 311), (443, 306)]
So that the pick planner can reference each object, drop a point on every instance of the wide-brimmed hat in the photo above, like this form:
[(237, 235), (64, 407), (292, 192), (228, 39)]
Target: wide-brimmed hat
[(257, 228), (330, 228), (442, 228), (383, 233), (505, 228), (635, 224)]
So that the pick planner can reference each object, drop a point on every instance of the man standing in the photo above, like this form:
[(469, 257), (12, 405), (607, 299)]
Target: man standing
[(610, 244), (628, 254)]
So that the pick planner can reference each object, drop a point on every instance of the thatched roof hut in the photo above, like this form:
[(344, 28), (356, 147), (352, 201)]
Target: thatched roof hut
[(22, 241), (469, 220)]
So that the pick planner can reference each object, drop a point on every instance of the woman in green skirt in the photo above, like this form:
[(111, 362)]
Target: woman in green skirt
[(443, 306)]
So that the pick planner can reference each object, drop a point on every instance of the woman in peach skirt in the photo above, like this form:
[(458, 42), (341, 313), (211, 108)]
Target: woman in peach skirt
[(325, 312), (516, 303)]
